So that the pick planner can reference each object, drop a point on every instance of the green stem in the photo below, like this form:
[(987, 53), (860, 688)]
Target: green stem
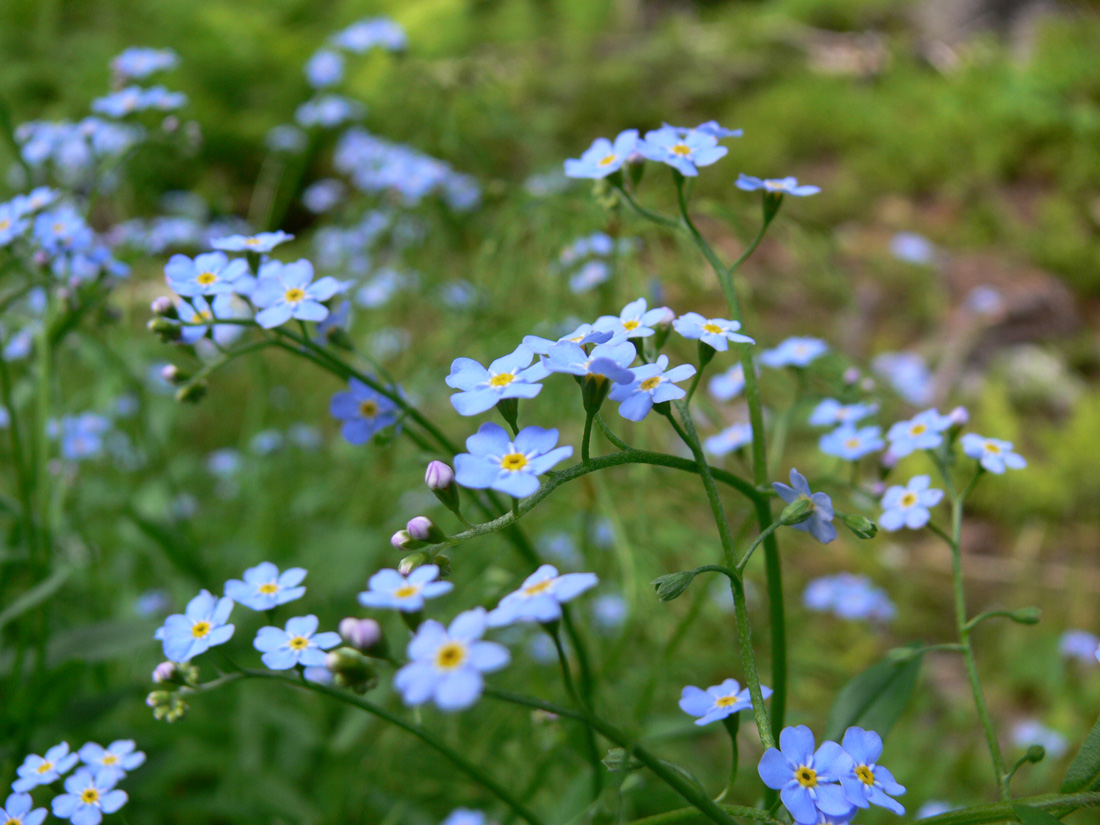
[(610, 436), (585, 441), (590, 747), (756, 543)]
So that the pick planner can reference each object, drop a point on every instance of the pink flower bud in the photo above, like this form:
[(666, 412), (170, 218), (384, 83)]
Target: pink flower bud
[(401, 539), (851, 375), (362, 634), (439, 476), (164, 672), (420, 528), (161, 305), (959, 417)]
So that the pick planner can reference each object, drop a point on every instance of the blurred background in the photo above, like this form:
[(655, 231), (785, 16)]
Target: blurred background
[(957, 145)]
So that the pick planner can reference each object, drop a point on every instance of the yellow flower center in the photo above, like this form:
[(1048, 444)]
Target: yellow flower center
[(206, 278), (58, 228), (908, 500), (502, 379), (608, 160), (204, 315), (807, 777), (109, 759), (513, 462), (294, 295), (200, 629), (405, 591), (4, 223), (269, 589), (651, 383), (713, 329), (918, 429), (252, 241), (681, 149), (14, 822), (368, 409), (538, 587), (772, 185), (45, 767), (851, 443), (89, 796), (865, 775), (992, 448), (450, 656), (630, 326), (298, 643), (726, 701)]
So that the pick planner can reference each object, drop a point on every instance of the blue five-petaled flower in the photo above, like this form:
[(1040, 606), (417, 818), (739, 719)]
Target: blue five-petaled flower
[(511, 376), (17, 810), (88, 796), (820, 522), (776, 186), (993, 454), (908, 506), (211, 273), (867, 782), (496, 462), (42, 770), (715, 332), (683, 151), (286, 291), (363, 410), (718, 701), (200, 627), (298, 644), (924, 431), (389, 589), (116, 760), (653, 384), (263, 242), (540, 597), (264, 587), (603, 157), (808, 781)]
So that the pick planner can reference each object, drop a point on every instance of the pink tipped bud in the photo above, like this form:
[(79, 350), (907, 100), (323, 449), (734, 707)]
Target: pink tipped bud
[(362, 634), (411, 562), (851, 375), (423, 529), (401, 540), (439, 476), (959, 417), (889, 460), (162, 306), (164, 672)]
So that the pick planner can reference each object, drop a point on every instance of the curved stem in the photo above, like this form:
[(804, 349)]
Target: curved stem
[(610, 436)]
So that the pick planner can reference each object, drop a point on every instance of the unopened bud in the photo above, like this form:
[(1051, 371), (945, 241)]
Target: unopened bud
[(509, 411), (672, 585), (797, 511), (1036, 753), (663, 329), (423, 529), (959, 417), (440, 479), (351, 669), (1026, 615), (164, 307), (401, 540), (164, 672), (192, 393), (860, 526), (365, 635), (411, 562), (173, 374), (443, 562), (167, 706), (164, 329)]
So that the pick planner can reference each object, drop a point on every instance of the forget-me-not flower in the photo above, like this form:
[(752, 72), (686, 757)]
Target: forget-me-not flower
[(820, 522), (288, 291), (732, 438), (728, 384), (1028, 732), (511, 376), (849, 597), (82, 435), (265, 588), (830, 412), (363, 411), (776, 186), (718, 701), (850, 443), (211, 273), (924, 431), (325, 68), (496, 462), (653, 384), (389, 589), (1080, 645), (446, 663), (993, 454), (200, 313), (715, 332), (684, 152), (608, 361), (907, 373), (464, 816), (583, 335), (908, 506), (88, 796), (42, 770), (12, 223), (794, 352), (540, 597), (116, 760), (603, 157), (17, 810), (867, 782), (201, 626), (808, 781), (635, 321), (299, 643), (261, 242), (138, 62), (710, 127)]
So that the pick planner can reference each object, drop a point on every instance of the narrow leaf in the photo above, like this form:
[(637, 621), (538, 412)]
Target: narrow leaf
[(35, 596), (1084, 772), (875, 698)]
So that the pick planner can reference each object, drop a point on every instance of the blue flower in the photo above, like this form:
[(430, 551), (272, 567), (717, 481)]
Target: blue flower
[(264, 587), (540, 597), (1028, 732), (511, 376), (62, 230), (325, 68), (794, 352), (851, 444), (728, 384), (908, 506), (200, 627), (849, 597), (363, 411), (446, 663), (589, 276), (464, 816), (732, 438), (994, 454), (581, 336), (389, 589), (42, 770), (285, 291), (82, 435), (634, 321), (907, 373), (820, 522), (497, 463), (298, 644), (715, 332), (922, 432), (12, 223), (263, 242), (868, 782), (328, 111), (711, 127), (912, 248), (606, 361), (323, 195), (211, 273), (807, 781), (114, 761), (87, 798), (717, 702), (603, 157), (781, 186), (684, 152), (17, 811), (653, 384), (137, 62), (366, 34), (831, 412), (1080, 645), (202, 312)]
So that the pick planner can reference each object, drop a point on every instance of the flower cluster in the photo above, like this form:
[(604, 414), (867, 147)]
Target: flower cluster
[(849, 597), (587, 261)]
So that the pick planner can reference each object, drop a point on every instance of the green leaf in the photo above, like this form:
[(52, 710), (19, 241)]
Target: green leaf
[(1033, 816), (1084, 771), (35, 596), (876, 697)]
